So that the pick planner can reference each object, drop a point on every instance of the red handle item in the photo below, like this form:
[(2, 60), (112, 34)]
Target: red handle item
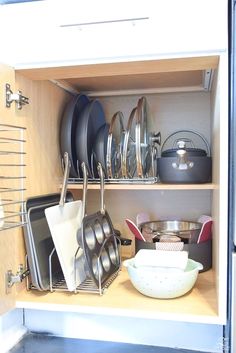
[(134, 229)]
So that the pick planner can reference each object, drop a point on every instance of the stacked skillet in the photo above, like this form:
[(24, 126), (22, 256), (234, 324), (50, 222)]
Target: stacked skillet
[(79, 126), (123, 153)]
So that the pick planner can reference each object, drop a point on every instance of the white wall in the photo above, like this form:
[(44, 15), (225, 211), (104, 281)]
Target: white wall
[(201, 337), (11, 329)]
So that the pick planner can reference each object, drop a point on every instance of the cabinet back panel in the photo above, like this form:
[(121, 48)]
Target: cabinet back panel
[(185, 205), (167, 112)]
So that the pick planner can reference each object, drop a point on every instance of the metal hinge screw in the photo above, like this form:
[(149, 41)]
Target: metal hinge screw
[(15, 97), (20, 275)]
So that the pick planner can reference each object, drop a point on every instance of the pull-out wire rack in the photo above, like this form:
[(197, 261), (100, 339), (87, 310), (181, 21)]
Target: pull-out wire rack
[(12, 176), (150, 179), (146, 180), (57, 281)]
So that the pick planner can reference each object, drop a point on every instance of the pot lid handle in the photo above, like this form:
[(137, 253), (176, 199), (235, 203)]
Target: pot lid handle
[(181, 144), (189, 131)]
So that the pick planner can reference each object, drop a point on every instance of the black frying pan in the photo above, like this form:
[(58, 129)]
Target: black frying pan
[(100, 146), (91, 119), (70, 118)]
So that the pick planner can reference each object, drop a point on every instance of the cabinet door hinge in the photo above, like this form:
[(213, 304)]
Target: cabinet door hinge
[(15, 97), (11, 279)]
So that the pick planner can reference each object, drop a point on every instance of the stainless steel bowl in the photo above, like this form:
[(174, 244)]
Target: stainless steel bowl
[(187, 231)]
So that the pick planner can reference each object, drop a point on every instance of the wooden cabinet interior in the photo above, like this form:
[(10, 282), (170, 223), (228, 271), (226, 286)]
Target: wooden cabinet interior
[(128, 75), (183, 103)]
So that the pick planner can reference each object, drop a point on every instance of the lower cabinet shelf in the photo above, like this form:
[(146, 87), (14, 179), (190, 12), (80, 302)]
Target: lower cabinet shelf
[(122, 299)]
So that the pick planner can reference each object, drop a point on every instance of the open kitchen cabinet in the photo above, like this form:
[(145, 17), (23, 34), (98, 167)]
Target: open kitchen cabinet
[(178, 97)]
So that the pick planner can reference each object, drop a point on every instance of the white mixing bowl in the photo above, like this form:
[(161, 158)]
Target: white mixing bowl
[(163, 282)]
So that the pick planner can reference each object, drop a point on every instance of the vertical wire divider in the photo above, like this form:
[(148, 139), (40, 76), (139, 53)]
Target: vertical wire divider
[(100, 289), (27, 277), (118, 247), (88, 285), (50, 269), (22, 180), (16, 192), (75, 277), (115, 273)]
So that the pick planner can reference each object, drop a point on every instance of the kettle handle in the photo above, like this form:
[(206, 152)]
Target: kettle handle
[(193, 132)]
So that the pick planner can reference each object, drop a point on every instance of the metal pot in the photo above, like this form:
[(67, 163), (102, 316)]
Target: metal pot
[(185, 163), (186, 231), (193, 152)]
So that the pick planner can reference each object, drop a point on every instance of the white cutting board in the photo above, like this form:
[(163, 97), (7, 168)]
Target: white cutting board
[(63, 222)]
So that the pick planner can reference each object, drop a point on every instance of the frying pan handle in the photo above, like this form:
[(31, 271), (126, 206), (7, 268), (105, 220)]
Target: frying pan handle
[(101, 176), (85, 186), (67, 165)]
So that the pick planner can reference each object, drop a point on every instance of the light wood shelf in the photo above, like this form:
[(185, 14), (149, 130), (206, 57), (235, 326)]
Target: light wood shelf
[(129, 70), (151, 187), (122, 299)]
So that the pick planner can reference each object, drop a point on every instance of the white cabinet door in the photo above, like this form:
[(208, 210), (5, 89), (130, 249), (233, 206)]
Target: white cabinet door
[(10, 238), (60, 33)]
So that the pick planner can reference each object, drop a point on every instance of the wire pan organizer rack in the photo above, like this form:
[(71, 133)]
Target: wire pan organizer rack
[(147, 180), (83, 257), (151, 179), (57, 281), (12, 177), (128, 154)]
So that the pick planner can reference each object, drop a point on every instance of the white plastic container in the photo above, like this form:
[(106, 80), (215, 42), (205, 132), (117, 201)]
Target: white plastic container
[(157, 258)]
